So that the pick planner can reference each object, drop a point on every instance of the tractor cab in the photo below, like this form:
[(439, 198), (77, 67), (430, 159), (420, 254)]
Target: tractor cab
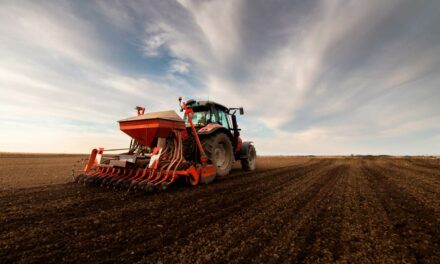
[(208, 112), (214, 114), (210, 117), (216, 126)]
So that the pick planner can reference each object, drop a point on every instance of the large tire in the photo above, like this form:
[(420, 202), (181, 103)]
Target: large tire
[(218, 149), (250, 163)]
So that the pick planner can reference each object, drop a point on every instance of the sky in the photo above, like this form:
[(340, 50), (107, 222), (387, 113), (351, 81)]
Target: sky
[(328, 77)]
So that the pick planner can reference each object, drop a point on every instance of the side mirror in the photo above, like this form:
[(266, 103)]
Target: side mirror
[(241, 111), (180, 104)]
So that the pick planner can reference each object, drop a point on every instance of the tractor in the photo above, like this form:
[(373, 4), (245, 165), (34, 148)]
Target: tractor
[(217, 128), (166, 148)]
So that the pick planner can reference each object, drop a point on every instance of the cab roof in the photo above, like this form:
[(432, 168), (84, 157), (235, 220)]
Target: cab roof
[(207, 103)]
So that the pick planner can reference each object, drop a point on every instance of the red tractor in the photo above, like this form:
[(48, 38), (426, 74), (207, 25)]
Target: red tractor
[(217, 128), (165, 148)]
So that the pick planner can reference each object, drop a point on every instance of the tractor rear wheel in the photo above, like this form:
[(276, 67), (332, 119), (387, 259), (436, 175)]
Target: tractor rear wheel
[(250, 163), (218, 149)]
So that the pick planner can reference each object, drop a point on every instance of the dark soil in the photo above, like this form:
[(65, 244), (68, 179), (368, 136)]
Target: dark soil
[(296, 209)]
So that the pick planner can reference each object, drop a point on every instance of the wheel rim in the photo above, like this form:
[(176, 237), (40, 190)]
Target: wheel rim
[(220, 156), (252, 158)]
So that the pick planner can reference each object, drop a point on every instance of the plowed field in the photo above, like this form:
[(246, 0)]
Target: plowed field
[(292, 209)]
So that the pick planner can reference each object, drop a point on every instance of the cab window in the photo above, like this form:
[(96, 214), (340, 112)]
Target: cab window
[(223, 119), (200, 117), (214, 118)]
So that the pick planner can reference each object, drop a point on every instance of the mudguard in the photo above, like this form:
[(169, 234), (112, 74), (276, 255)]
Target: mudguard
[(209, 129), (214, 128)]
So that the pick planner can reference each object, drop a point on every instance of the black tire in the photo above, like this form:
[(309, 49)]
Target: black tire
[(250, 163), (218, 149)]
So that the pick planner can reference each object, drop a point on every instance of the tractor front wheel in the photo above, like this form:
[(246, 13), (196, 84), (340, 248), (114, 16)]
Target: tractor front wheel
[(219, 150), (250, 163)]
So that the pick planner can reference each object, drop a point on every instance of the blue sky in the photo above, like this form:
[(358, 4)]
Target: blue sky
[(314, 77)]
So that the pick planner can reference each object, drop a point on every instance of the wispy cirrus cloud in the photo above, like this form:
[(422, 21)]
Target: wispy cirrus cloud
[(315, 77)]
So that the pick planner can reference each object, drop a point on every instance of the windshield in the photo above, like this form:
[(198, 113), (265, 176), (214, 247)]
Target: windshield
[(200, 117)]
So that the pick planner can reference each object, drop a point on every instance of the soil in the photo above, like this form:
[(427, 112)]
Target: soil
[(292, 209)]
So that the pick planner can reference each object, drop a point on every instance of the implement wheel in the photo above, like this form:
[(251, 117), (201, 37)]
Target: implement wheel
[(218, 148)]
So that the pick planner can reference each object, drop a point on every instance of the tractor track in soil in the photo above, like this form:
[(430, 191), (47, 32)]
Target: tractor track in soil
[(417, 225), (309, 209)]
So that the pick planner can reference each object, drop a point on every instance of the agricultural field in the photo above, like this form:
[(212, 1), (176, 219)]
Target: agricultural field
[(292, 209)]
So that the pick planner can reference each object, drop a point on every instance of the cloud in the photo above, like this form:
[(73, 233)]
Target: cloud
[(179, 66), (329, 69), (58, 72), (153, 42), (320, 77)]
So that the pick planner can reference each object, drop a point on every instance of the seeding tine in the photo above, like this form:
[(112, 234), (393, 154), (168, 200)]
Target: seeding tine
[(149, 187), (123, 182), (106, 171), (125, 176), (85, 179), (114, 174), (79, 178), (161, 172), (164, 178), (104, 181), (116, 181), (111, 182), (141, 185), (158, 177), (97, 172), (133, 183), (139, 174), (107, 182), (82, 178), (132, 186), (126, 184), (101, 171), (92, 179), (100, 177), (142, 180), (88, 178)]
